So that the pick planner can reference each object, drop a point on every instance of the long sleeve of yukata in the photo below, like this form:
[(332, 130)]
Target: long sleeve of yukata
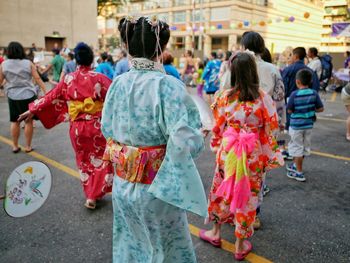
[(178, 181)]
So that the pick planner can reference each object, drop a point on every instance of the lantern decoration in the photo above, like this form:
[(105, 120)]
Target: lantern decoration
[(286, 19), (201, 29), (254, 23), (240, 25), (189, 28), (212, 27), (291, 19), (306, 15), (262, 23), (232, 25), (183, 28), (246, 23), (173, 28), (219, 26), (195, 28), (269, 21), (278, 20)]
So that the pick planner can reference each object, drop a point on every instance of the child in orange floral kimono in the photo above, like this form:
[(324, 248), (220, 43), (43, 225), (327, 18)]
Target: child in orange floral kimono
[(245, 148)]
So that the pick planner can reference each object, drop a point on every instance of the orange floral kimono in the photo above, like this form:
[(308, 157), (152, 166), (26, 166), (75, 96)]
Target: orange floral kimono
[(256, 117)]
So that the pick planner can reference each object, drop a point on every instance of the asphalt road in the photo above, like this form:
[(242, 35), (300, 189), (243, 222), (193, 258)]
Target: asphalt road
[(302, 222)]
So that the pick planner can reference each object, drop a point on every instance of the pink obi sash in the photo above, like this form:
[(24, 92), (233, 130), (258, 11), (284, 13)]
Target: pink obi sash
[(135, 164)]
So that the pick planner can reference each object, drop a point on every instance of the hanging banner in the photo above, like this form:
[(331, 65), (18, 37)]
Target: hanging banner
[(341, 30)]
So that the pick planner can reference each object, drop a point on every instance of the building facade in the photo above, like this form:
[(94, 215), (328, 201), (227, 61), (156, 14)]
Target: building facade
[(335, 11), (46, 22), (208, 25)]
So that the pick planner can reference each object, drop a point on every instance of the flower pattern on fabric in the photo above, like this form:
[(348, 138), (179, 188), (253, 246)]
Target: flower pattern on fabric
[(85, 133), (258, 117)]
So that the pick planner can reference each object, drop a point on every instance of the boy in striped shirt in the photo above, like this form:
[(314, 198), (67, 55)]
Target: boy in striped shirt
[(302, 105)]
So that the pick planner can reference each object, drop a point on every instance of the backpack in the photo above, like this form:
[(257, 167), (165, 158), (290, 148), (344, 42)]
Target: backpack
[(327, 68)]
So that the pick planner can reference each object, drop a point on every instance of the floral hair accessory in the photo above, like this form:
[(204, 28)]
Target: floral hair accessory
[(249, 52), (131, 19)]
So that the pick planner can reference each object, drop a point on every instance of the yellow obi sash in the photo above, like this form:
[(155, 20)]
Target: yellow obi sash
[(87, 106)]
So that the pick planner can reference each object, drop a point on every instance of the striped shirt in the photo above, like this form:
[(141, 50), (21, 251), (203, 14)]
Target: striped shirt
[(303, 103)]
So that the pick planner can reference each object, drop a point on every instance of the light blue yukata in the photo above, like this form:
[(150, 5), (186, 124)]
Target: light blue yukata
[(146, 107)]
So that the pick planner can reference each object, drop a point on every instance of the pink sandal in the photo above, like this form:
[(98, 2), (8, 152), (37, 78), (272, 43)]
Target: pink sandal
[(214, 242), (241, 255)]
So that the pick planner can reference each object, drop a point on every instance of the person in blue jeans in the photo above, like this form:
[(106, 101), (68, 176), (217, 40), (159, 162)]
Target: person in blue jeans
[(290, 72), (105, 67), (302, 107)]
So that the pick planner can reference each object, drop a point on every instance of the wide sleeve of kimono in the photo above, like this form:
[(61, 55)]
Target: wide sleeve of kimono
[(268, 141), (52, 108), (218, 108), (178, 181), (104, 82)]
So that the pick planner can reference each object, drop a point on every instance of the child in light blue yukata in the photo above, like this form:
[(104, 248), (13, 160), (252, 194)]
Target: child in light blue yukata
[(153, 131)]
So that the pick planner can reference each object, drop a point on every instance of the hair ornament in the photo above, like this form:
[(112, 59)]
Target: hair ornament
[(249, 52), (132, 19)]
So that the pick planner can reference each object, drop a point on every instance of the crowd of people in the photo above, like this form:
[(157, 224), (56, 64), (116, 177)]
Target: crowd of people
[(136, 131)]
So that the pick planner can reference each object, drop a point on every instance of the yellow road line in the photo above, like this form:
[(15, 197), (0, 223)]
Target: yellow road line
[(333, 156), (330, 119), (334, 97), (230, 247)]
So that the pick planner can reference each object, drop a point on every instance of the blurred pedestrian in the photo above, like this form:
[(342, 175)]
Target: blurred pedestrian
[(104, 67), (168, 59), (314, 61), (149, 116), (189, 68), (199, 79), (122, 66), (345, 96), (56, 65), (347, 59), (18, 72), (69, 66), (245, 147), (225, 72), (211, 76), (79, 98)]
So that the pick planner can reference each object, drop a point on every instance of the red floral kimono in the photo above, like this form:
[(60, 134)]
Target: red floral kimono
[(79, 98)]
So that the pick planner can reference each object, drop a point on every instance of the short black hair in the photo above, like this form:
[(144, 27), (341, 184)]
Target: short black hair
[(15, 50), (253, 41), (228, 55), (83, 54), (314, 51), (56, 51), (124, 53), (300, 52), (348, 53), (104, 56), (214, 54), (141, 37), (304, 76), (71, 55)]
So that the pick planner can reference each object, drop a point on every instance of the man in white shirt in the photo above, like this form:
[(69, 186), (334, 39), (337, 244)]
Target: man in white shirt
[(314, 61)]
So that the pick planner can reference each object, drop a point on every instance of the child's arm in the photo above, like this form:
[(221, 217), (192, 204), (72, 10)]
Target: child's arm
[(290, 104)]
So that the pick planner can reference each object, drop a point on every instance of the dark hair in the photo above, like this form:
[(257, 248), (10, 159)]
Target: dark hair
[(200, 65), (167, 58), (244, 77), (71, 55), (104, 56), (189, 52), (313, 51), (348, 53), (266, 56), (253, 41), (304, 76), (140, 37), (228, 55), (214, 54), (300, 52), (56, 51), (110, 59), (124, 53), (15, 51), (83, 54)]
